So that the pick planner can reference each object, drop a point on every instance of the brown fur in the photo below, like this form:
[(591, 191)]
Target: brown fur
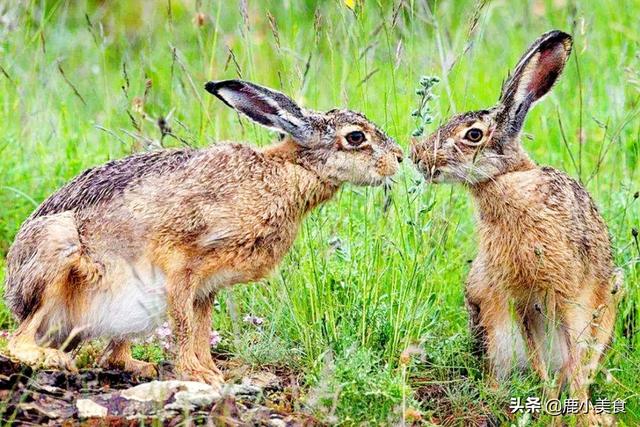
[(191, 221), (543, 280)]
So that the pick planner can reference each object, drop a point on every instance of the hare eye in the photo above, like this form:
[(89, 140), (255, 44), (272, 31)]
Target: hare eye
[(355, 138), (473, 135)]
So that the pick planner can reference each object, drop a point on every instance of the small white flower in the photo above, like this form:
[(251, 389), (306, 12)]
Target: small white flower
[(164, 331)]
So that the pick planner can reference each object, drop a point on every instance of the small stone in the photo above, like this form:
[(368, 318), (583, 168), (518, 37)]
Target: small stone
[(186, 394), (245, 390), (263, 379), (276, 422), (161, 390), (39, 409), (87, 408), (194, 399)]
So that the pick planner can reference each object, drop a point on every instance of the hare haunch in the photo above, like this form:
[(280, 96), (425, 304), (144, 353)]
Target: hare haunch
[(542, 287), (123, 244)]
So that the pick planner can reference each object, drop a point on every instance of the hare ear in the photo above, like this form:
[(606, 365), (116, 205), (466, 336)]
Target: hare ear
[(534, 76), (265, 106)]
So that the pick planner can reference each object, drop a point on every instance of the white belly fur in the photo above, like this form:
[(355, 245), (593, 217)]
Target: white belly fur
[(511, 349), (132, 301), (136, 302)]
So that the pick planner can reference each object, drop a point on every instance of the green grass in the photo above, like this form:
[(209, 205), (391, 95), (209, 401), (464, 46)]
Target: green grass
[(85, 81)]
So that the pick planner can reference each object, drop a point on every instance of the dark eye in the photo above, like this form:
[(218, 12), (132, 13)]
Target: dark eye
[(355, 138), (473, 135)]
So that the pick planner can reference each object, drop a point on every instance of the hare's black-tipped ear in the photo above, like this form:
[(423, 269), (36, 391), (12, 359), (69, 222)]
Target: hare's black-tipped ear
[(262, 105), (534, 76)]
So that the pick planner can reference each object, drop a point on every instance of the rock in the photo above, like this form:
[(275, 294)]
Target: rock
[(9, 366), (162, 399), (196, 397), (184, 392), (263, 379), (276, 422), (241, 390), (40, 411), (87, 408)]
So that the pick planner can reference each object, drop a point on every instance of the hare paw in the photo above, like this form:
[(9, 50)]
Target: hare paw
[(202, 375), (56, 359), (41, 357), (207, 362)]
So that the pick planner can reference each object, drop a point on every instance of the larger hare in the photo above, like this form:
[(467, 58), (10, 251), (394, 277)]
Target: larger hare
[(541, 289), (160, 232)]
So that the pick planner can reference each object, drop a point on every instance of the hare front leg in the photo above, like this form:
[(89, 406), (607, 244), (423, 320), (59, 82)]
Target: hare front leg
[(504, 343), (202, 314), (532, 326), (181, 298), (118, 356), (477, 332), (495, 333), (475, 287)]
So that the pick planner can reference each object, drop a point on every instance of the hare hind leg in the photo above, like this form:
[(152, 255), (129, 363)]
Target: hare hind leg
[(118, 356), (586, 330), (601, 332), (585, 343), (45, 268), (603, 321), (24, 347)]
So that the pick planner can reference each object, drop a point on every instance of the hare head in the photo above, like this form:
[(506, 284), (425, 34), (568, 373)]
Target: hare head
[(339, 145), (477, 146)]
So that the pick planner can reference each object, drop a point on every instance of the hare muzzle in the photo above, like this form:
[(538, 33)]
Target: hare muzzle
[(389, 163), (423, 160)]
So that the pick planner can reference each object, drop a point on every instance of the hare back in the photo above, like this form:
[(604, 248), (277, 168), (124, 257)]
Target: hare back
[(103, 183)]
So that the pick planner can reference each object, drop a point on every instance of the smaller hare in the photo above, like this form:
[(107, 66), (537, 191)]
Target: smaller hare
[(160, 232), (541, 289)]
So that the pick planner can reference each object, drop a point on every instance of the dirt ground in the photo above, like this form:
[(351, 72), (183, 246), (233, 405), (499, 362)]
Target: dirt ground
[(265, 398)]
